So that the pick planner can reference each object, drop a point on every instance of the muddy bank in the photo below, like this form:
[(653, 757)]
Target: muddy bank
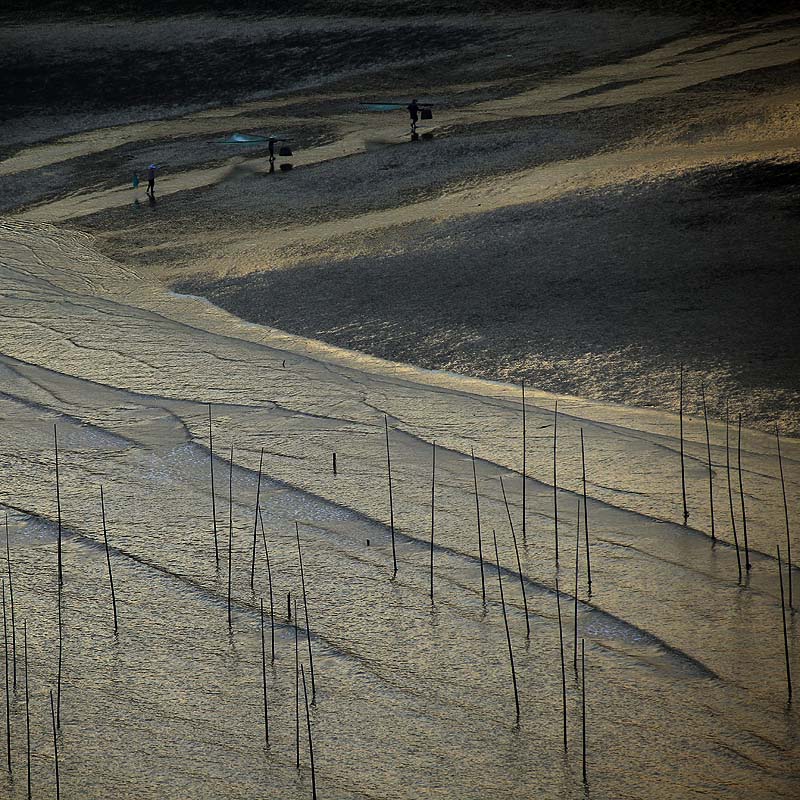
[(600, 296), (598, 290)]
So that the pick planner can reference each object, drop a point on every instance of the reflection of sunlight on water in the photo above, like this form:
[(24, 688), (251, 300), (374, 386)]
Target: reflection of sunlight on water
[(608, 630)]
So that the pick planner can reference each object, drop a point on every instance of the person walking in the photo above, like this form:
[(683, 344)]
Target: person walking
[(151, 180), (413, 111)]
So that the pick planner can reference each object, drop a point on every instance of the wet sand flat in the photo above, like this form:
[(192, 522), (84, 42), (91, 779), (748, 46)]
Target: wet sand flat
[(606, 195)]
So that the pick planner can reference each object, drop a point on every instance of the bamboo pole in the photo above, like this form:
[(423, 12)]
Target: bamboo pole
[(213, 495), (310, 742), (786, 515), (8, 696), (683, 467), (433, 486), (391, 501), (747, 563), (108, 558), (710, 468), (230, 533), (583, 707), (505, 500), (269, 578), (586, 517), (555, 475), (524, 467), (11, 600), (296, 689), (55, 746), (785, 635), (730, 492), (305, 610), (255, 522), (27, 703), (575, 608), (563, 666), (60, 657), (478, 520), (519, 563), (264, 676), (505, 621), (58, 505)]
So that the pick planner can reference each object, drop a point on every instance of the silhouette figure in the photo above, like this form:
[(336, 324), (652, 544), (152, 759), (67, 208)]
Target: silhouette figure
[(413, 111), (151, 180)]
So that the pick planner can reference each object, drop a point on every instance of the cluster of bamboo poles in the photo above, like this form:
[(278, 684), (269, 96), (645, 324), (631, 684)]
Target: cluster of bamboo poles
[(10, 648), (292, 613), (12, 684), (743, 506), (582, 506), (10, 631), (258, 521)]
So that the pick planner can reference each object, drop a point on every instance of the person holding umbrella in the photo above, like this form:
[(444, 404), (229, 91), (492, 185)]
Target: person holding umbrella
[(151, 180)]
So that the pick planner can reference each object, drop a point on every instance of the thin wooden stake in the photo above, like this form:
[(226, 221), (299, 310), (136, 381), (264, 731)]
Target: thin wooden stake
[(785, 635), (683, 467), (27, 703), (524, 467), (55, 746), (213, 494), (747, 563), (108, 559), (255, 522), (305, 610), (391, 501), (586, 517), (785, 514), (264, 676), (505, 621), (296, 689), (505, 500), (310, 742), (583, 707), (230, 533), (555, 475), (58, 505), (60, 657), (519, 563), (11, 599), (710, 468), (269, 578), (563, 666), (730, 492), (433, 486), (478, 520), (8, 696), (575, 610)]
